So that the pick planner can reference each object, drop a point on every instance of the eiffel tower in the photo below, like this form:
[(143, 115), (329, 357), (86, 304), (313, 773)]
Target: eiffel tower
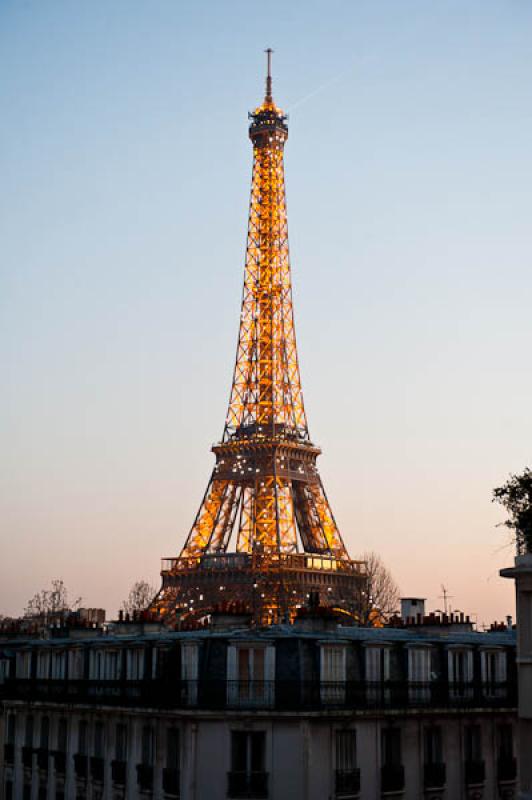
[(265, 536)]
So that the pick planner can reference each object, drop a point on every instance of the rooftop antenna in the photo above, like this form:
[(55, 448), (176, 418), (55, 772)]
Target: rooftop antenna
[(269, 96), (445, 596)]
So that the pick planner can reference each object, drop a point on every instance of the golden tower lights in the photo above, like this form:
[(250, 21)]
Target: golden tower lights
[(265, 534)]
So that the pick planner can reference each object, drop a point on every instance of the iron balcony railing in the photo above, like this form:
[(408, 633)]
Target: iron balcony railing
[(282, 695), (81, 766), (145, 777), (475, 772), (59, 758), (434, 775), (97, 767), (171, 781), (118, 772), (506, 768), (392, 777), (247, 784), (346, 782)]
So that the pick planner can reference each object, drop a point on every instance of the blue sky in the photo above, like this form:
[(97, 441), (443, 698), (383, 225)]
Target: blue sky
[(125, 171)]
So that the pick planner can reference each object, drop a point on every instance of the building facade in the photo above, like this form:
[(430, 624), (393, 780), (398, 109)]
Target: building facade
[(311, 711)]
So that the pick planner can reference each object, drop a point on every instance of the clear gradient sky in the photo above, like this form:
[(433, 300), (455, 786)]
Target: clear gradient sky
[(124, 177)]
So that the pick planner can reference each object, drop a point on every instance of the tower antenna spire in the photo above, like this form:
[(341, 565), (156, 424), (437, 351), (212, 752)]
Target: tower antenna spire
[(269, 96)]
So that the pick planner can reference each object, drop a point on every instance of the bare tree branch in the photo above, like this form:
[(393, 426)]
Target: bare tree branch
[(50, 602), (381, 598), (140, 596)]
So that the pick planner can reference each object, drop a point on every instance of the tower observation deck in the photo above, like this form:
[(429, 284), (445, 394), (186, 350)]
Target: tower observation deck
[(264, 535)]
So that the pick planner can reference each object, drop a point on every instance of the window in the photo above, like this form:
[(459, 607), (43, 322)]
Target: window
[(392, 770), (58, 665), (433, 745), (4, 669), (460, 664), (99, 733), (434, 767), (62, 731), (43, 665), (189, 671), (473, 743), (506, 763), (248, 777), (391, 746), (108, 665), (147, 745), (76, 664), (28, 732), (11, 727), (250, 675), (135, 664), (493, 672), (332, 673), (171, 770), (121, 742), (23, 665), (172, 748), (347, 776), (45, 733), (96, 665), (419, 674), (474, 765), (83, 737), (377, 663)]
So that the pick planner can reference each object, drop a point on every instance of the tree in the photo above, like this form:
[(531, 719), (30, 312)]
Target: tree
[(516, 497), (381, 596), (49, 602), (140, 596)]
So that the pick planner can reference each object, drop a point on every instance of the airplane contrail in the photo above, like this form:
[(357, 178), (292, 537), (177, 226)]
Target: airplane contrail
[(321, 88)]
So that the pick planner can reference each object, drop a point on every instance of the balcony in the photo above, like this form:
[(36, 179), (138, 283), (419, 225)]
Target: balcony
[(346, 782), (171, 781), (250, 694), (81, 766), (145, 777), (97, 766), (506, 769), (475, 772), (290, 695), (434, 776), (392, 778), (247, 784), (118, 772)]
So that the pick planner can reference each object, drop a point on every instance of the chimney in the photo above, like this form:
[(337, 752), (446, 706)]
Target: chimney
[(413, 607)]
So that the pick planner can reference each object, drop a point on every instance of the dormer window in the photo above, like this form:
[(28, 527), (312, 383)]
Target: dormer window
[(377, 668), (493, 671), (250, 674), (333, 673), (419, 662), (460, 668), (189, 672)]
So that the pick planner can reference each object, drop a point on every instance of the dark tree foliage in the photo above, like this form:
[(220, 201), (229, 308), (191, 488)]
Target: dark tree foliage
[(516, 497)]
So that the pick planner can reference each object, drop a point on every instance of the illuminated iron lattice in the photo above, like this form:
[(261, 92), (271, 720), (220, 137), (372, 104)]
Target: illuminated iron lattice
[(264, 535)]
